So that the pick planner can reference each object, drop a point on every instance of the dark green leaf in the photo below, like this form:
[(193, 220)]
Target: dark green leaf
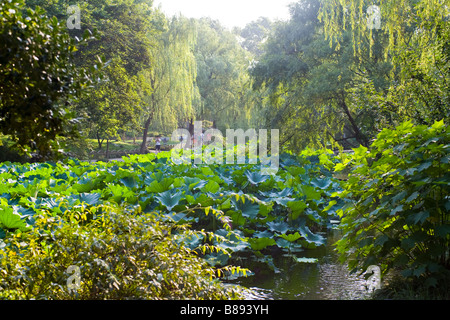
[(169, 199)]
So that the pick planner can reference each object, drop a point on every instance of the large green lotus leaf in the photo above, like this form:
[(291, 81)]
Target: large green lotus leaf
[(11, 220), (226, 179), (280, 227), (265, 208), (321, 183), (297, 207), (237, 218), (232, 246), (310, 192), (249, 210), (145, 200), (287, 160), (310, 237), (89, 198), (255, 177), (169, 199), (158, 187), (48, 203), (158, 175), (280, 197), (263, 234), (239, 177), (25, 212), (129, 182), (207, 171), (230, 241), (286, 192), (232, 235), (261, 243), (211, 186), (198, 185), (84, 185), (283, 243), (306, 260), (295, 170), (117, 191), (191, 182), (225, 205), (217, 259), (291, 237), (201, 199), (313, 215)]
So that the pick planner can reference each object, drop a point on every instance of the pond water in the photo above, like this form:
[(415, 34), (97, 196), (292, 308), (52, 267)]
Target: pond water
[(325, 279)]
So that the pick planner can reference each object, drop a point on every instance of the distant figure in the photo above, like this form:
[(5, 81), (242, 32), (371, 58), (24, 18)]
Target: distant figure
[(158, 144)]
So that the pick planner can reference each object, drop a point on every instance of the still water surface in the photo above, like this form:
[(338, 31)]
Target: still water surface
[(326, 279)]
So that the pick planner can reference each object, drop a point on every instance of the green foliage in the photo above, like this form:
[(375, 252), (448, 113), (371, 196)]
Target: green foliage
[(170, 78), (398, 216), (308, 85), (413, 37), (254, 34), (238, 212), (120, 254), (222, 78), (38, 79)]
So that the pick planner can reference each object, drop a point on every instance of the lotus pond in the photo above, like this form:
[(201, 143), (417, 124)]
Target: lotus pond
[(274, 227)]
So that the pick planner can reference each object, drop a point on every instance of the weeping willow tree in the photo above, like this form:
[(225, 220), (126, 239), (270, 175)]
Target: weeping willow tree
[(418, 33), (227, 99), (307, 83), (171, 77)]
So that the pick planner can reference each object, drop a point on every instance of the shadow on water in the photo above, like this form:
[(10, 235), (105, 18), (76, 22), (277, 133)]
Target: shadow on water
[(325, 279)]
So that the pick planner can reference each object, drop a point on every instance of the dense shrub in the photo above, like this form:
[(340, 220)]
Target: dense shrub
[(119, 255), (399, 217)]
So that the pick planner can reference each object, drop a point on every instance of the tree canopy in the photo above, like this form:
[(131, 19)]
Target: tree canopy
[(39, 80)]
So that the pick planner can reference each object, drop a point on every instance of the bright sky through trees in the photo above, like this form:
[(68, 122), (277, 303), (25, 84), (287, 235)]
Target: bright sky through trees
[(230, 12)]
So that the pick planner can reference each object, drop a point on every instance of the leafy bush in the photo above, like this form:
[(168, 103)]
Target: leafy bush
[(119, 255), (38, 79), (399, 217)]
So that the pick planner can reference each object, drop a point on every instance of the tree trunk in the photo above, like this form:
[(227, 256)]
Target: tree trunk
[(359, 136), (144, 138), (100, 141)]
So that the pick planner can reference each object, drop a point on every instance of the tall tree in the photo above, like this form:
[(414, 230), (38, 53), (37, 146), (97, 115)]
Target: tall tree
[(254, 34), (172, 75), (38, 79), (223, 79), (310, 86), (418, 46), (122, 31)]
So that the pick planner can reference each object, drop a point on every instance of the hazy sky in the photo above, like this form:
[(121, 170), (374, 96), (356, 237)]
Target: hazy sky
[(230, 12)]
